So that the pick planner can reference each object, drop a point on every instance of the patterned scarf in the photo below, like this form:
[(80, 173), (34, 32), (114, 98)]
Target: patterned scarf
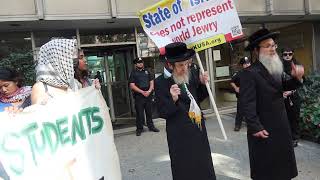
[(20, 95), (55, 63), (194, 110)]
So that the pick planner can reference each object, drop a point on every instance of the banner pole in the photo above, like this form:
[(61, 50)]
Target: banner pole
[(212, 99)]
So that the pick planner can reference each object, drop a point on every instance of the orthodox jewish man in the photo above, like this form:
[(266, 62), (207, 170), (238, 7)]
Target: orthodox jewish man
[(178, 99), (271, 152)]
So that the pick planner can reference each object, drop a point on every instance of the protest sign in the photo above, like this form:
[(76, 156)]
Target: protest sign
[(198, 23), (69, 138)]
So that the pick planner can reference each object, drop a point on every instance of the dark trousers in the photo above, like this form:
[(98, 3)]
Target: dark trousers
[(239, 117), (293, 112), (143, 104)]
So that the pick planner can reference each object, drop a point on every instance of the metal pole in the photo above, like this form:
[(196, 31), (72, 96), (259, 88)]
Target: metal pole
[(212, 100)]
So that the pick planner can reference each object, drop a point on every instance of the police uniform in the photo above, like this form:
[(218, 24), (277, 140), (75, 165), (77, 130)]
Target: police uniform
[(236, 80), (141, 78)]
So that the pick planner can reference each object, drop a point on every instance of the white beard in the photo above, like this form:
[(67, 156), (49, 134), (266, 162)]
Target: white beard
[(273, 64), (184, 79)]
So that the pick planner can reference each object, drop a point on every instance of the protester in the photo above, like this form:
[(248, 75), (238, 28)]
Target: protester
[(142, 83), (58, 60), (82, 72), (13, 98), (269, 137), (12, 94), (235, 83), (177, 98), (292, 98)]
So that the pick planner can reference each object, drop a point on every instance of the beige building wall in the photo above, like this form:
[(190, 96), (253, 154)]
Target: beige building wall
[(288, 7), (314, 6), (17, 7), (251, 7), (80, 8), (130, 8), (104, 9)]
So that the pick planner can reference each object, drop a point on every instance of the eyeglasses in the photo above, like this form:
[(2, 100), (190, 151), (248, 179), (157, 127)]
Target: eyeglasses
[(287, 54), (270, 46)]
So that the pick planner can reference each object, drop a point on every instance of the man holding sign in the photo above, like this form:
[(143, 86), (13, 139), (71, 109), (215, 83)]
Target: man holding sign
[(197, 23), (178, 99)]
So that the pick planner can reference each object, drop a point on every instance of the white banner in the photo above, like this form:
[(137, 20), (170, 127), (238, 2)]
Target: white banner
[(199, 23), (69, 138)]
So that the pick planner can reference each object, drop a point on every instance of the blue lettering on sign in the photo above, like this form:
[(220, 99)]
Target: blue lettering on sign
[(197, 2), (162, 14), (157, 17)]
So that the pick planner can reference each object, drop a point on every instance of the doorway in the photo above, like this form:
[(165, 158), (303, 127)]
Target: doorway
[(114, 65)]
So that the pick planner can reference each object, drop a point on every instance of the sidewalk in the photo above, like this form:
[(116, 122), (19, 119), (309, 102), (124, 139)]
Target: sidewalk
[(146, 157)]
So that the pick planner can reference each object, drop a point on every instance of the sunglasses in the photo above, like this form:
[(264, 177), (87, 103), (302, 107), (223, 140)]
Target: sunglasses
[(287, 54)]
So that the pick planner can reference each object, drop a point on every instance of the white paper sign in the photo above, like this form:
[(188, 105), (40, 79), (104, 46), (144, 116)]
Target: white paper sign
[(69, 138)]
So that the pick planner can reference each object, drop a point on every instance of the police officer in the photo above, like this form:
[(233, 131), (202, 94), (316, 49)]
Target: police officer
[(235, 83), (141, 83)]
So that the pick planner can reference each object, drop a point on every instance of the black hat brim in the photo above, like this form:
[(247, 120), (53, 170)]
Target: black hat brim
[(182, 57), (253, 44), (138, 61)]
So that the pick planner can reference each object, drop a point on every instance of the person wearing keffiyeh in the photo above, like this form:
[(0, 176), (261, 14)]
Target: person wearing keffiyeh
[(55, 70), (178, 98), (12, 93), (57, 63)]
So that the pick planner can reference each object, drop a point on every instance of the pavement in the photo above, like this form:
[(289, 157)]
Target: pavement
[(146, 157)]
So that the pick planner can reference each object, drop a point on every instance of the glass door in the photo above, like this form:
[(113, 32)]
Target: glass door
[(97, 65), (112, 65), (118, 62)]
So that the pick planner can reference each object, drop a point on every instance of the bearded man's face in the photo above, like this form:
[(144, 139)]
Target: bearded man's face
[(180, 72), (269, 58)]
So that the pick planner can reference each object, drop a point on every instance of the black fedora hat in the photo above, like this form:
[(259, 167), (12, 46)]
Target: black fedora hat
[(138, 60), (178, 51), (259, 36)]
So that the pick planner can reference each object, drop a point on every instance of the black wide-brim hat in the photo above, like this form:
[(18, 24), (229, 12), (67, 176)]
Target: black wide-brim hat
[(177, 52), (259, 36)]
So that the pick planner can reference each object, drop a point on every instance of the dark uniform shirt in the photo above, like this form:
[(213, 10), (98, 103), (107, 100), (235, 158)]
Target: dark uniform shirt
[(236, 79), (141, 78)]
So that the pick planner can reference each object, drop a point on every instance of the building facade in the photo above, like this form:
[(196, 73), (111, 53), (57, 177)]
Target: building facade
[(110, 34)]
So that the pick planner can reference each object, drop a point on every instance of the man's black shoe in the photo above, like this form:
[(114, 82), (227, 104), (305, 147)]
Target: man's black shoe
[(237, 128), (138, 132), (295, 143), (154, 129)]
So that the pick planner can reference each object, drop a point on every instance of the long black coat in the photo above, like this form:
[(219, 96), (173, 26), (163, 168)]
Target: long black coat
[(189, 148), (263, 106)]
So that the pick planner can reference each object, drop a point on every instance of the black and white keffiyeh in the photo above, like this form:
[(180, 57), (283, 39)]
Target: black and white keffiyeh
[(55, 63)]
